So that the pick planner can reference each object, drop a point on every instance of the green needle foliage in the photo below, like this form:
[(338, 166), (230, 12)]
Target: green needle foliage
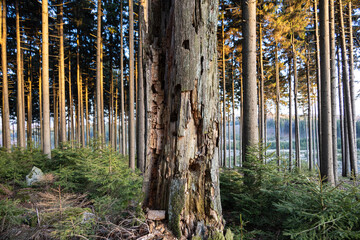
[(15, 165), (277, 204)]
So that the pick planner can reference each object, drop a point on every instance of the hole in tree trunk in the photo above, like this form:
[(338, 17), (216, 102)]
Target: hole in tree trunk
[(186, 44)]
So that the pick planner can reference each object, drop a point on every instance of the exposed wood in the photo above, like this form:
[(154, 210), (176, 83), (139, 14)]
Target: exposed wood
[(182, 159)]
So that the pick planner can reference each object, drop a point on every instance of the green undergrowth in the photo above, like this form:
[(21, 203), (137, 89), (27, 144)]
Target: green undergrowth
[(91, 181), (268, 202)]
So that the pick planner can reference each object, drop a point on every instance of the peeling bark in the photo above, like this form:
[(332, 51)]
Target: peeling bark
[(181, 172)]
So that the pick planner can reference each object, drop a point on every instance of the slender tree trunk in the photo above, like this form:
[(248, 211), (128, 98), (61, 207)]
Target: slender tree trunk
[(241, 118), (221, 146), (71, 109), (262, 79), (229, 143), (184, 127), (62, 77), (102, 111), (21, 140), (290, 116), (40, 107), (87, 113), (333, 87), (326, 160), (342, 122), (351, 67), (140, 105), (224, 80), (45, 80), (56, 115), (233, 114), (116, 117), (250, 127), (310, 161), (297, 134), (318, 73), (347, 98), (277, 118), (81, 107), (122, 91), (5, 92), (98, 71), (78, 125), (131, 88), (111, 104), (29, 105)]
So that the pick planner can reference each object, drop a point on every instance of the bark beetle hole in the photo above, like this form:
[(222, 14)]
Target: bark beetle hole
[(194, 167), (186, 44)]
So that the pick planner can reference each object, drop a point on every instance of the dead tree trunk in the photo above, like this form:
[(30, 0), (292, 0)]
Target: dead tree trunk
[(182, 159)]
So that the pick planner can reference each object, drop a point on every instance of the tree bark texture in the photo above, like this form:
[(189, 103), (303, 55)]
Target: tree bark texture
[(21, 141), (131, 88), (326, 153), (333, 87), (45, 80), (350, 131), (250, 119), (182, 158)]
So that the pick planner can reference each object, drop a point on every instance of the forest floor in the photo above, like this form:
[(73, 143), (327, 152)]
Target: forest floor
[(85, 193), (41, 206)]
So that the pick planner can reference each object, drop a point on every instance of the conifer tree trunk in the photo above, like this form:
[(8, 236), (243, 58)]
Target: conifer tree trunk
[(318, 74), (351, 67), (297, 134), (71, 108), (277, 118), (98, 71), (333, 87), (131, 88), (102, 92), (111, 104), (56, 115), (29, 105), (309, 112), (290, 115), (241, 117), (21, 141), (116, 117), (182, 158), (41, 106), (122, 102), (224, 81), (78, 73), (87, 113), (342, 123), (262, 102), (140, 105), (5, 92), (45, 80), (326, 160), (233, 115), (229, 143), (347, 98), (250, 125), (62, 137), (81, 107)]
